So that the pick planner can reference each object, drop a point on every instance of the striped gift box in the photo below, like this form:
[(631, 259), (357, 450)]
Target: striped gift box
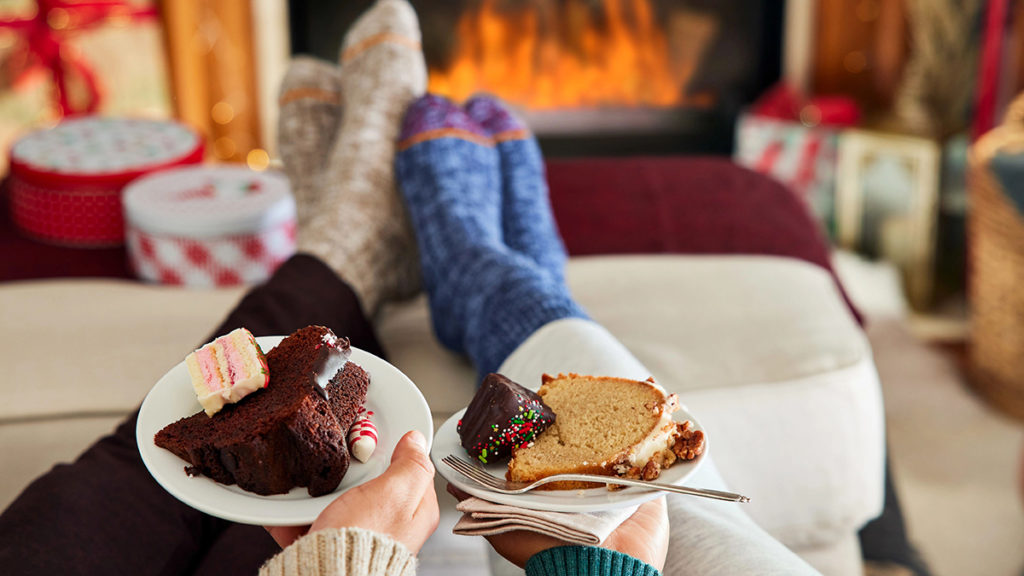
[(208, 226)]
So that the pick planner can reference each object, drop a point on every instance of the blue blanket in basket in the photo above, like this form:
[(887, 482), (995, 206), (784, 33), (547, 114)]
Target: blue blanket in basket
[(1009, 170)]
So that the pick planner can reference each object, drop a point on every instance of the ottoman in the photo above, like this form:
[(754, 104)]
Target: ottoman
[(763, 350)]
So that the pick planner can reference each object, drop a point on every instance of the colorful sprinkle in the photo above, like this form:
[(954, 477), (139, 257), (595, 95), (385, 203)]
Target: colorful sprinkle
[(519, 430)]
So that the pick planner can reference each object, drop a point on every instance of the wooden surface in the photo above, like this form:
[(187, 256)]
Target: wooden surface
[(860, 48)]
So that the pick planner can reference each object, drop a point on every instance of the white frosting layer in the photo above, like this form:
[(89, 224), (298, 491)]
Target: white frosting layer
[(333, 365), (661, 438)]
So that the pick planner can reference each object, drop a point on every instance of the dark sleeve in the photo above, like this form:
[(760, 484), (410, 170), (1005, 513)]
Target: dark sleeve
[(586, 561), (104, 513)]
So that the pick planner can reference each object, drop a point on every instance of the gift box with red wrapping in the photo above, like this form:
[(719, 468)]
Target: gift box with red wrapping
[(65, 182), (204, 226), (795, 140), (66, 58)]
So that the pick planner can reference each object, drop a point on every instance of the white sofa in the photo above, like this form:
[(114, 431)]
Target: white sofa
[(762, 350)]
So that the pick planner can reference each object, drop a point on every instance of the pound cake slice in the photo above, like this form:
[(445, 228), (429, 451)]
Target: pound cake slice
[(607, 426), (291, 433)]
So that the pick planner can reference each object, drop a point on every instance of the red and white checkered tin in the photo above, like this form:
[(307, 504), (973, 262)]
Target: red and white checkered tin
[(205, 226), (66, 181)]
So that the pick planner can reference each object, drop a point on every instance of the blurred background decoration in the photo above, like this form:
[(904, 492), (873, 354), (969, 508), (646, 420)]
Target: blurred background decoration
[(213, 64), (778, 85), (932, 97), (227, 58), (60, 58)]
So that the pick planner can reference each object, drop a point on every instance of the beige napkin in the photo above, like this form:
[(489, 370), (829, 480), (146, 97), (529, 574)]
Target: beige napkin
[(483, 518)]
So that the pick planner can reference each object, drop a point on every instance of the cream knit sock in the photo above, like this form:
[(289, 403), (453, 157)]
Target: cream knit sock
[(310, 103), (361, 228)]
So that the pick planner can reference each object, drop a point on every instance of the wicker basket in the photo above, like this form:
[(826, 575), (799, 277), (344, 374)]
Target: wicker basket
[(996, 279)]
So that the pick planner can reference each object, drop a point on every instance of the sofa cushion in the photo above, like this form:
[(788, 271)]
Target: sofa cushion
[(79, 355), (87, 346)]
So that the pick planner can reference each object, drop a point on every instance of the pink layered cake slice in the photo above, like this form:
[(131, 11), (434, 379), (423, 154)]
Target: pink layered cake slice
[(227, 370)]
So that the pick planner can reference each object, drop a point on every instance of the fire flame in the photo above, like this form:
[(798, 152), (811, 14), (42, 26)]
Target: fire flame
[(540, 56)]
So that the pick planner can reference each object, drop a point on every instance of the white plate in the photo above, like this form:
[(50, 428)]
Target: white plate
[(446, 442), (397, 405)]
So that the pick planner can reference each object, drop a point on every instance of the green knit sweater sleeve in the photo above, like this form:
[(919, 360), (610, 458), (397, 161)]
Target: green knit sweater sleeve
[(586, 561)]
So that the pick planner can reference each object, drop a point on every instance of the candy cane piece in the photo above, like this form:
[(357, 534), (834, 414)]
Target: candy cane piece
[(362, 438)]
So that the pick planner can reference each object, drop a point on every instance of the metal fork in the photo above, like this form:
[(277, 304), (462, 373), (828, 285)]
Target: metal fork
[(491, 482)]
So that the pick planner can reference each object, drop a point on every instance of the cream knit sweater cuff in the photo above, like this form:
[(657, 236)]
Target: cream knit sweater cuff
[(342, 552)]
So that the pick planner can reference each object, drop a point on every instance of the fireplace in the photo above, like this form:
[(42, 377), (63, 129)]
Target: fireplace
[(591, 77)]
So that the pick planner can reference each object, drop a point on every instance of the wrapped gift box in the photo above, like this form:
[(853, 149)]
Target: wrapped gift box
[(795, 139), (66, 182), (62, 58), (209, 226), (802, 157)]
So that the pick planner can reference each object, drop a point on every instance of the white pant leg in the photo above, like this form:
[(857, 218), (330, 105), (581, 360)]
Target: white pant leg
[(708, 537)]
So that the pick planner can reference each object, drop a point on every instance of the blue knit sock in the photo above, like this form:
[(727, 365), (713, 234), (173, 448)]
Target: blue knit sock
[(527, 221), (485, 299)]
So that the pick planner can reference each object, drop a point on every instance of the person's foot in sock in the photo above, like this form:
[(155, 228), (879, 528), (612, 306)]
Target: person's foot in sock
[(359, 225), (485, 298), (448, 173), (310, 103), (528, 224)]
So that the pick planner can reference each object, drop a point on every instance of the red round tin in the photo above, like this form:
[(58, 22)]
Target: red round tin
[(66, 181)]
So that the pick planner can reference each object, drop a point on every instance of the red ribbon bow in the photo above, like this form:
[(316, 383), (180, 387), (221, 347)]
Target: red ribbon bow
[(45, 36), (785, 103)]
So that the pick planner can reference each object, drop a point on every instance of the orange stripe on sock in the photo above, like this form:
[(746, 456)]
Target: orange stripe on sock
[(320, 95), (521, 134), (445, 133), (384, 37)]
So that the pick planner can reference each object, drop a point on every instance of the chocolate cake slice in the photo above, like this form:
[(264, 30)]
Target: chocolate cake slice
[(502, 416), (291, 433)]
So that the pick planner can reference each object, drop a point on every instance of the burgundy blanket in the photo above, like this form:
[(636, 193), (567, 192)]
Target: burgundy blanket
[(680, 205)]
